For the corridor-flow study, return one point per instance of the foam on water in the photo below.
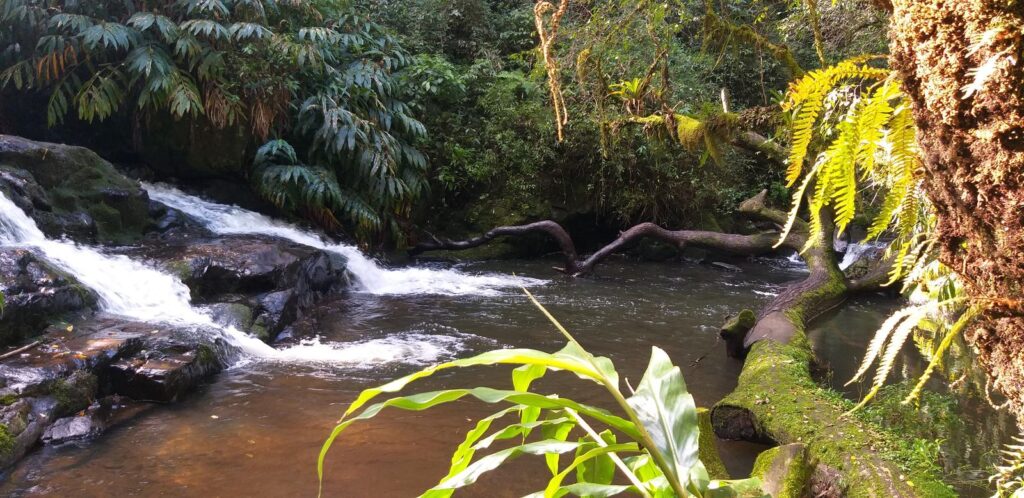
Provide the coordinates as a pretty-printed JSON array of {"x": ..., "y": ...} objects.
[
  {"x": 133, "y": 290},
  {"x": 372, "y": 278}
]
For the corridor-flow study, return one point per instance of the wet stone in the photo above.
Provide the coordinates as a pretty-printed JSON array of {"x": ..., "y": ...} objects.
[{"x": 75, "y": 428}]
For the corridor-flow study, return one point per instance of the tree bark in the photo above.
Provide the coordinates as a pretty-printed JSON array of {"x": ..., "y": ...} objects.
[{"x": 971, "y": 134}]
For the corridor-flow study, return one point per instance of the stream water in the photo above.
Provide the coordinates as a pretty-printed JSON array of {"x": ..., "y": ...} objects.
[{"x": 257, "y": 428}]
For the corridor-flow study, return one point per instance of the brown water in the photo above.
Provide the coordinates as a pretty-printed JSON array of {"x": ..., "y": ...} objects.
[{"x": 257, "y": 428}]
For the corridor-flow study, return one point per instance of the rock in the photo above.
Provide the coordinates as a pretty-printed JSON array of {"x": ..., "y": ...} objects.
[
  {"x": 94, "y": 358},
  {"x": 783, "y": 470},
  {"x": 84, "y": 194},
  {"x": 734, "y": 332},
  {"x": 74, "y": 393},
  {"x": 235, "y": 315},
  {"x": 164, "y": 375},
  {"x": 707, "y": 448},
  {"x": 36, "y": 294},
  {"x": 275, "y": 310},
  {"x": 244, "y": 265},
  {"x": 281, "y": 279},
  {"x": 21, "y": 425},
  {"x": 70, "y": 429},
  {"x": 171, "y": 223}
]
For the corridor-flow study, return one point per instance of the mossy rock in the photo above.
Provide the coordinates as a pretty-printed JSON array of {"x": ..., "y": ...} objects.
[
  {"x": 783, "y": 471},
  {"x": 707, "y": 448},
  {"x": 74, "y": 393},
  {"x": 78, "y": 181}
]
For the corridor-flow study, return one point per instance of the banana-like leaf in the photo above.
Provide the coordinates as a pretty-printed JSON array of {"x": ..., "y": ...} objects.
[
  {"x": 494, "y": 460},
  {"x": 464, "y": 453},
  {"x": 669, "y": 416},
  {"x": 560, "y": 433},
  {"x": 522, "y": 378}
]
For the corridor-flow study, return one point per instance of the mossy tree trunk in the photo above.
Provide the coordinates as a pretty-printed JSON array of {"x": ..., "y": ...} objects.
[{"x": 962, "y": 64}]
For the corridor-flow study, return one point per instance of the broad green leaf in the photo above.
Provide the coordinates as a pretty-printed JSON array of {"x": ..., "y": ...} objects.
[
  {"x": 591, "y": 490},
  {"x": 464, "y": 453},
  {"x": 522, "y": 378},
  {"x": 669, "y": 415}
]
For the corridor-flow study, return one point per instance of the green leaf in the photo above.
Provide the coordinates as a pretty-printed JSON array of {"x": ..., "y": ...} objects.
[
  {"x": 741, "y": 488},
  {"x": 423, "y": 401},
  {"x": 494, "y": 460},
  {"x": 601, "y": 469},
  {"x": 601, "y": 451},
  {"x": 669, "y": 415}
]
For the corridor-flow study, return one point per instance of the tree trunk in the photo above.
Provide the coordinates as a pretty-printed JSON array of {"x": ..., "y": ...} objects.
[{"x": 971, "y": 133}]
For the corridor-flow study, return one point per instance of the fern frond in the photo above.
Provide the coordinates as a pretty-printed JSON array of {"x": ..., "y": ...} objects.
[
  {"x": 895, "y": 344},
  {"x": 940, "y": 351},
  {"x": 878, "y": 341}
]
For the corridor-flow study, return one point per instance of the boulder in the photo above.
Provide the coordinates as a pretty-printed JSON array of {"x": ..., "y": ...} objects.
[
  {"x": 68, "y": 429},
  {"x": 278, "y": 280},
  {"x": 244, "y": 264},
  {"x": 164, "y": 375},
  {"x": 36, "y": 294},
  {"x": 72, "y": 191},
  {"x": 90, "y": 373},
  {"x": 21, "y": 424}
]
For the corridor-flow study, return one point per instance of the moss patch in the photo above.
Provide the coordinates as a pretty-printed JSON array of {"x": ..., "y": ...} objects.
[
  {"x": 7, "y": 444},
  {"x": 707, "y": 449},
  {"x": 787, "y": 406}
]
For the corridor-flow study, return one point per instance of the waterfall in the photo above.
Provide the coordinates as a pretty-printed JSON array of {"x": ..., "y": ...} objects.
[
  {"x": 135, "y": 291},
  {"x": 855, "y": 250},
  {"x": 372, "y": 278}
]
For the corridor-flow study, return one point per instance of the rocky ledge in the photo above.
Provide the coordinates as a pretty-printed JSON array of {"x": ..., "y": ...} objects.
[{"x": 67, "y": 387}]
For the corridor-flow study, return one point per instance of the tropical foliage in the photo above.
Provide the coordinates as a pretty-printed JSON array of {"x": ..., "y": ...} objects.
[
  {"x": 652, "y": 444},
  {"x": 307, "y": 71},
  {"x": 853, "y": 151}
]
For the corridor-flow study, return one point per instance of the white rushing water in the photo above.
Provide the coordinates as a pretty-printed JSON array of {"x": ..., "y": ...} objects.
[
  {"x": 372, "y": 278},
  {"x": 855, "y": 250},
  {"x": 133, "y": 290}
]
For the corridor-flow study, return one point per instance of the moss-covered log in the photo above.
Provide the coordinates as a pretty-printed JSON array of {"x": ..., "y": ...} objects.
[{"x": 777, "y": 401}]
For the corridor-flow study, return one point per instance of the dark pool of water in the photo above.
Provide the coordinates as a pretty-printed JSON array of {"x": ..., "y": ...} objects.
[{"x": 256, "y": 430}]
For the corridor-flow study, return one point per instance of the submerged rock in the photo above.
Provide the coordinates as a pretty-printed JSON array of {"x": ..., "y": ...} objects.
[
  {"x": 71, "y": 191},
  {"x": 36, "y": 294}
]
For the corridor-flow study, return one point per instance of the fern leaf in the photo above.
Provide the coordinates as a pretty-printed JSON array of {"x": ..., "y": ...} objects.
[
  {"x": 940, "y": 351},
  {"x": 879, "y": 340}
]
